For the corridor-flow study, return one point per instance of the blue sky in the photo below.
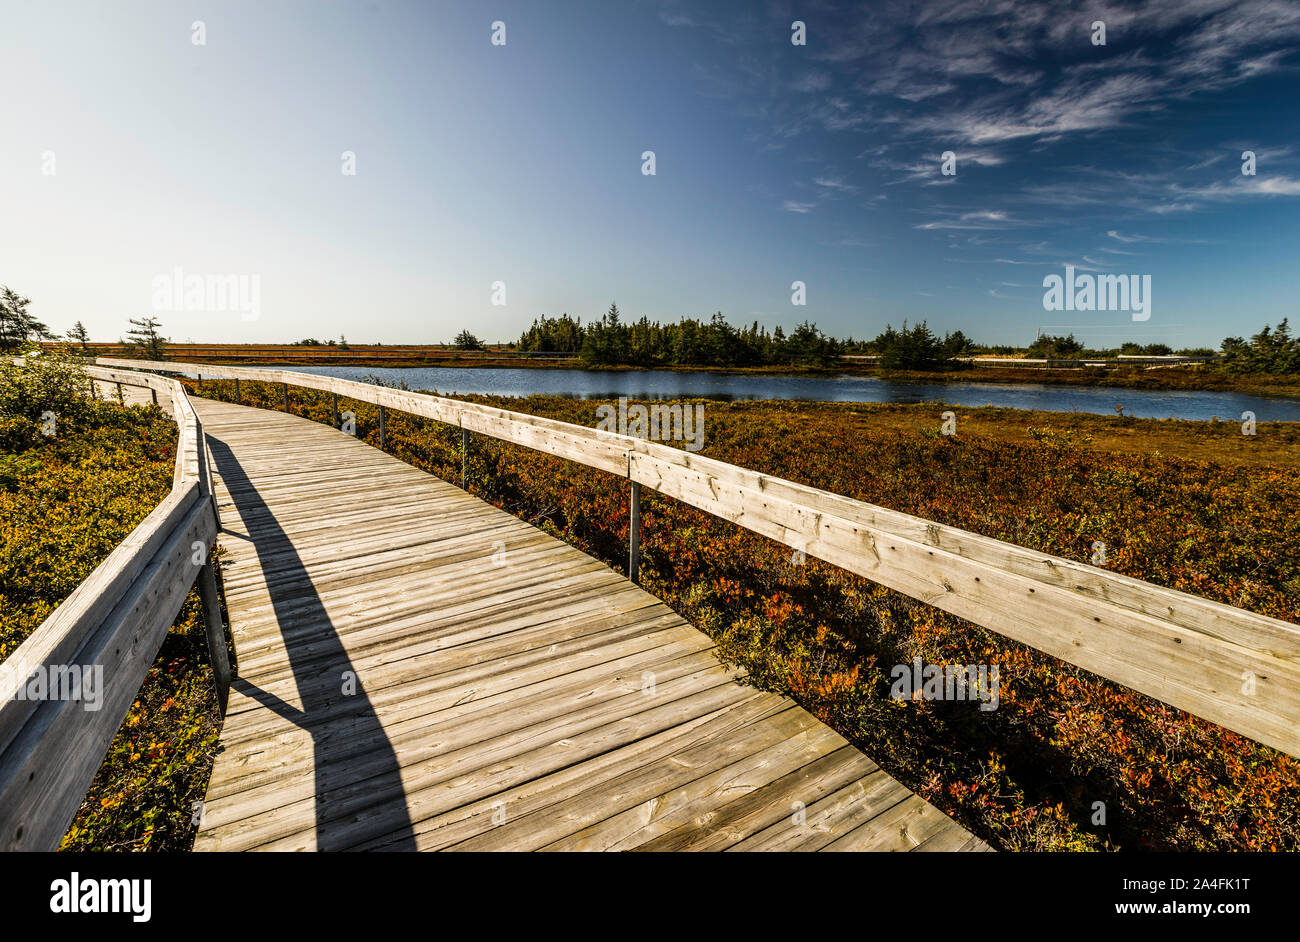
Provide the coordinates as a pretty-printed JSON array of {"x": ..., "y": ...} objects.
[{"x": 522, "y": 164}]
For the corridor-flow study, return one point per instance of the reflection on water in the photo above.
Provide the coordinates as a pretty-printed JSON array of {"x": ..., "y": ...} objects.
[{"x": 668, "y": 384}]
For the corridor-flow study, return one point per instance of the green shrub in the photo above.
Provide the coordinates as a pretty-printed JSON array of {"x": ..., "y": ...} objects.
[{"x": 46, "y": 382}]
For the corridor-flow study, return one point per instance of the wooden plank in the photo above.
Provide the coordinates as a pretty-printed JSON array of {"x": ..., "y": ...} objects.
[
  {"x": 453, "y": 716},
  {"x": 472, "y": 663},
  {"x": 639, "y": 805},
  {"x": 479, "y": 672},
  {"x": 718, "y": 828},
  {"x": 467, "y": 739},
  {"x": 903, "y": 827},
  {"x": 830, "y": 818},
  {"x": 440, "y": 831},
  {"x": 462, "y": 777}
]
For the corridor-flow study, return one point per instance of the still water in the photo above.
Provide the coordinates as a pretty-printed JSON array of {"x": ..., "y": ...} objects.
[{"x": 669, "y": 384}]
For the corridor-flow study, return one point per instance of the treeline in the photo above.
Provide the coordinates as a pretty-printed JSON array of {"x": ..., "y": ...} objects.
[
  {"x": 1046, "y": 346},
  {"x": 1269, "y": 351},
  {"x": 611, "y": 341},
  {"x": 915, "y": 348}
]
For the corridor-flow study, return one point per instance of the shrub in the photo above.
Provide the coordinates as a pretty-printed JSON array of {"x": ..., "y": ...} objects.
[{"x": 50, "y": 381}]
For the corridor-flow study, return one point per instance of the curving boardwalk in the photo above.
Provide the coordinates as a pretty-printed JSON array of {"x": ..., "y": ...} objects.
[{"x": 418, "y": 670}]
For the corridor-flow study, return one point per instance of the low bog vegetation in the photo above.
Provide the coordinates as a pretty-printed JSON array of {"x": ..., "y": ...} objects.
[
  {"x": 71, "y": 489},
  {"x": 1029, "y": 775}
]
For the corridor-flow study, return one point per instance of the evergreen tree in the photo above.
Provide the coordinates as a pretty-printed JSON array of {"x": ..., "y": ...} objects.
[
  {"x": 1269, "y": 351},
  {"x": 915, "y": 349},
  {"x": 79, "y": 335},
  {"x": 144, "y": 337},
  {"x": 17, "y": 326}
]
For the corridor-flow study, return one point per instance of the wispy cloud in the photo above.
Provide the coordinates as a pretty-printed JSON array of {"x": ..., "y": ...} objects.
[
  {"x": 980, "y": 219},
  {"x": 1241, "y": 186}
]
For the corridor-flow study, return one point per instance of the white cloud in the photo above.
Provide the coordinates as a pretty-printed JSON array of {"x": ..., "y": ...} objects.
[
  {"x": 983, "y": 219},
  {"x": 834, "y": 184}
]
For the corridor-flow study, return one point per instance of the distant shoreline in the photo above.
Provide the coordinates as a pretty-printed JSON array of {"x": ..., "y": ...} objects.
[{"x": 1193, "y": 378}]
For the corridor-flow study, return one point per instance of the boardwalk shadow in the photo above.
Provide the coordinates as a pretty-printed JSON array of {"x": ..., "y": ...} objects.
[{"x": 358, "y": 784}]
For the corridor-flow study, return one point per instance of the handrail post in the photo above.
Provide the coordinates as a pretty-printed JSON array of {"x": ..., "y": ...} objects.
[
  {"x": 154, "y": 393},
  {"x": 236, "y": 389},
  {"x": 464, "y": 452},
  {"x": 634, "y": 536},
  {"x": 382, "y": 429},
  {"x": 200, "y": 381},
  {"x": 284, "y": 388},
  {"x": 216, "y": 632},
  {"x": 336, "y": 409}
]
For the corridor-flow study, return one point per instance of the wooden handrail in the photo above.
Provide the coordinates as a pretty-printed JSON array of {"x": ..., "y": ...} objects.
[
  {"x": 1234, "y": 667},
  {"x": 115, "y": 622}
]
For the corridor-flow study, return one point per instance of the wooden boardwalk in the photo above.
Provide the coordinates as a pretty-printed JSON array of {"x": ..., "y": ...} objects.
[{"x": 420, "y": 670}]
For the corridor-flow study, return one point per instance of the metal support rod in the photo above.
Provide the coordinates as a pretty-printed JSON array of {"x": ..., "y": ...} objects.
[
  {"x": 216, "y": 632},
  {"x": 119, "y": 394},
  {"x": 464, "y": 452},
  {"x": 336, "y": 409},
  {"x": 154, "y": 393},
  {"x": 200, "y": 381},
  {"x": 383, "y": 429},
  {"x": 236, "y": 390},
  {"x": 284, "y": 388},
  {"x": 634, "y": 536}
]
